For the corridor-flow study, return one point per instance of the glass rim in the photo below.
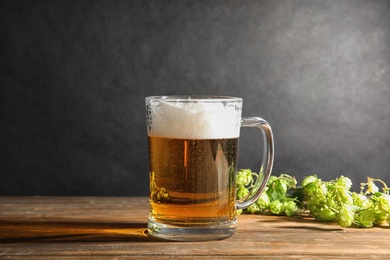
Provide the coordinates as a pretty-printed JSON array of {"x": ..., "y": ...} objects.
[{"x": 194, "y": 98}]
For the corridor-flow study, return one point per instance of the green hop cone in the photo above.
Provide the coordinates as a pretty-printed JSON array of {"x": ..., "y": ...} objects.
[
  {"x": 322, "y": 213},
  {"x": 276, "y": 207},
  {"x": 263, "y": 202},
  {"x": 290, "y": 208},
  {"x": 345, "y": 182},
  {"x": 365, "y": 218},
  {"x": 339, "y": 190},
  {"x": 253, "y": 209},
  {"x": 381, "y": 206},
  {"x": 244, "y": 177},
  {"x": 309, "y": 179},
  {"x": 314, "y": 190},
  {"x": 242, "y": 192},
  {"x": 361, "y": 200},
  {"x": 346, "y": 216}
]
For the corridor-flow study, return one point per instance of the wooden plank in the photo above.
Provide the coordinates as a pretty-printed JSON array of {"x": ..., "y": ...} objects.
[{"x": 72, "y": 227}]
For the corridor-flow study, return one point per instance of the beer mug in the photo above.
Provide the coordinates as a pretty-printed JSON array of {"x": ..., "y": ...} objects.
[{"x": 193, "y": 149}]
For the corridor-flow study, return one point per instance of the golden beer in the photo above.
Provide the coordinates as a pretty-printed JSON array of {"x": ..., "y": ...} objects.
[{"x": 192, "y": 181}]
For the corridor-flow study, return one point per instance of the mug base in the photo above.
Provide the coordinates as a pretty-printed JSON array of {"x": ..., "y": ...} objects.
[{"x": 191, "y": 233}]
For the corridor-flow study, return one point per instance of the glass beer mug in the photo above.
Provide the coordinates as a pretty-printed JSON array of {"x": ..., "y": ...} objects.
[{"x": 193, "y": 150}]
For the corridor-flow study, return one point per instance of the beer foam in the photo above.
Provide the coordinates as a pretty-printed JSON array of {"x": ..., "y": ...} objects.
[{"x": 194, "y": 120}]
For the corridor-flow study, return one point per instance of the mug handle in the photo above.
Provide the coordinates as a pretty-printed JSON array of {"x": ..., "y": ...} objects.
[{"x": 266, "y": 164}]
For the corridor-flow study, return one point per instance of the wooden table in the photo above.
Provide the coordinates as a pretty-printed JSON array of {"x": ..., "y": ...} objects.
[{"x": 101, "y": 227}]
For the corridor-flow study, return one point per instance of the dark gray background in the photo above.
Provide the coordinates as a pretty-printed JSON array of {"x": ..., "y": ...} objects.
[{"x": 74, "y": 75}]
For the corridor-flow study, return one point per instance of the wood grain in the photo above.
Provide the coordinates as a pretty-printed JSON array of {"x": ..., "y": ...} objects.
[{"x": 100, "y": 227}]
